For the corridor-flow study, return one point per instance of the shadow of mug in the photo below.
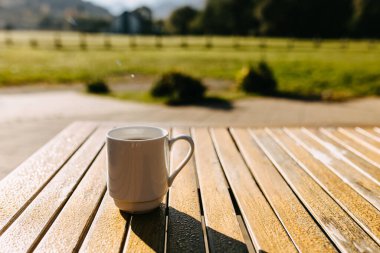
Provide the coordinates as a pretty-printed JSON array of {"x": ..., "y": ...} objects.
[{"x": 185, "y": 233}]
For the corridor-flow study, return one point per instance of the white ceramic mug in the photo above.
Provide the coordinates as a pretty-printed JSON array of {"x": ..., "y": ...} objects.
[{"x": 138, "y": 166}]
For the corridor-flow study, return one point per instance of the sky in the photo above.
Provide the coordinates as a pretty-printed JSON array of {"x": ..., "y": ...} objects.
[{"x": 117, "y": 6}]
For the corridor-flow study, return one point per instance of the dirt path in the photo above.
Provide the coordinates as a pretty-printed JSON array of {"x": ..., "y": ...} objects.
[{"x": 29, "y": 118}]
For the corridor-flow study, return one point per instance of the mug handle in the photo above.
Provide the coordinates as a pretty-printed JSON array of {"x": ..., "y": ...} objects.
[{"x": 187, "y": 158}]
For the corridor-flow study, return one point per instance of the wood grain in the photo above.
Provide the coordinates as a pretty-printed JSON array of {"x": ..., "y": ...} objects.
[
  {"x": 146, "y": 232},
  {"x": 67, "y": 231},
  {"x": 352, "y": 153},
  {"x": 107, "y": 231},
  {"x": 335, "y": 161},
  {"x": 361, "y": 148},
  {"x": 224, "y": 234},
  {"x": 265, "y": 229},
  {"x": 184, "y": 218},
  {"x": 295, "y": 218},
  {"x": 358, "y": 208},
  {"x": 25, "y": 232},
  {"x": 363, "y": 138},
  {"x": 370, "y": 133},
  {"x": 19, "y": 188},
  {"x": 376, "y": 131},
  {"x": 343, "y": 231}
]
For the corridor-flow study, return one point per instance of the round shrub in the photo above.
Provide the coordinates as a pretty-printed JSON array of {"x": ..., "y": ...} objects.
[
  {"x": 97, "y": 87},
  {"x": 257, "y": 79},
  {"x": 178, "y": 88}
]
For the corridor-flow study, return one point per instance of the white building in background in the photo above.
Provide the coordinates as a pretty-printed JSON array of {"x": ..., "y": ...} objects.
[{"x": 133, "y": 22}]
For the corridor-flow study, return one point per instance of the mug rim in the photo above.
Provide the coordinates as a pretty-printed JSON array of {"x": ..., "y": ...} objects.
[{"x": 164, "y": 131}]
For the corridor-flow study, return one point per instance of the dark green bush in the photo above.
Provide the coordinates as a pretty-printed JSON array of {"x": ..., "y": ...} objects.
[
  {"x": 257, "y": 79},
  {"x": 97, "y": 87},
  {"x": 178, "y": 88}
]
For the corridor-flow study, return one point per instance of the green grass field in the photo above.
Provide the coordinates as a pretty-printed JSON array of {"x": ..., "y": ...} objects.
[{"x": 336, "y": 69}]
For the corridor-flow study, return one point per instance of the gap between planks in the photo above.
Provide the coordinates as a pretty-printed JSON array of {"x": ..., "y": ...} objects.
[{"x": 13, "y": 206}]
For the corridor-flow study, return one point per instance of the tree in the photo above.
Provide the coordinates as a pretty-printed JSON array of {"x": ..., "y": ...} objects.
[
  {"x": 366, "y": 18},
  {"x": 300, "y": 18},
  {"x": 276, "y": 17},
  {"x": 180, "y": 20},
  {"x": 228, "y": 17}
]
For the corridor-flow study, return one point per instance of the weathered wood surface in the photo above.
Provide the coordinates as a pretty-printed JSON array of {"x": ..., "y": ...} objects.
[
  {"x": 361, "y": 157},
  {"x": 107, "y": 230},
  {"x": 365, "y": 138},
  {"x": 31, "y": 176},
  {"x": 370, "y": 132},
  {"x": 26, "y": 232},
  {"x": 367, "y": 216},
  {"x": 184, "y": 218},
  {"x": 324, "y": 151},
  {"x": 221, "y": 222},
  {"x": 342, "y": 229},
  {"x": 280, "y": 190},
  {"x": 295, "y": 218},
  {"x": 66, "y": 233},
  {"x": 262, "y": 223}
]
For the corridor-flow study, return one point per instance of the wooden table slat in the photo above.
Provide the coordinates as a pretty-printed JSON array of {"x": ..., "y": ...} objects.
[
  {"x": 146, "y": 233},
  {"x": 339, "y": 142},
  {"x": 358, "y": 149},
  {"x": 19, "y": 188},
  {"x": 25, "y": 232},
  {"x": 224, "y": 234},
  {"x": 333, "y": 160},
  {"x": 66, "y": 233},
  {"x": 263, "y": 225},
  {"x": 343, "y": 231},
  {"x": 279, "y": 190},
  {"x": 108, "y": 229},
  {"x": 377, "y": 131},
  {"x": 363, "y": 138},
  {"x": 185, "y": 232},
  {"x": 295, "y": 218},
  {"x": 366, "y": 215},
  {"x": 370, "y": 134}
]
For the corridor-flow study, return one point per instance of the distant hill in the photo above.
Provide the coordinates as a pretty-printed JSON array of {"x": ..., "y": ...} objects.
[{"x": 28, "y": 14}]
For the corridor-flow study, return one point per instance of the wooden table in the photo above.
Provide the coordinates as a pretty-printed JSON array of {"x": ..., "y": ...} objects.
[{"x": 273, "y": 190}]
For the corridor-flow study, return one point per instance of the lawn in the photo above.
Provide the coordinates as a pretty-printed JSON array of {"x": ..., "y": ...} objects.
[{"x": 336, "y": 69}]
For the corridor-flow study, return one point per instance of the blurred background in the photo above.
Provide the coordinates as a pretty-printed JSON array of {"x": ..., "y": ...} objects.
[{"x": 184, "y": 62}]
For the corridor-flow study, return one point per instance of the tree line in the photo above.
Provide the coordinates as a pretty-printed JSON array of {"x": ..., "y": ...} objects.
[{"x": 289, "y": 18}]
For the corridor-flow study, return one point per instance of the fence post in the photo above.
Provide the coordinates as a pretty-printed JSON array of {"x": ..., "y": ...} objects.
[
  {"x": 344, "y": 43},
  {"x": 82, "y": 41},
  {"x": 8, "y": 39},
  {"x": 236, "y": 42},
  {"x": 290, "y": 44},
  {"x": 317, "y": 42},
  {"x": 208, "y": 42},
  {"x": 132, "y": 41},
  {"x": 183, "y": 41},
  {"x": 371, "y": 44},
  {"x": 107, "y": 42},
  {"x": 158, "y": 41},
  {"x": 57, "y": 41},
  {"x": 33, "y": 43},
  {"x": 263, "y": 43}
]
